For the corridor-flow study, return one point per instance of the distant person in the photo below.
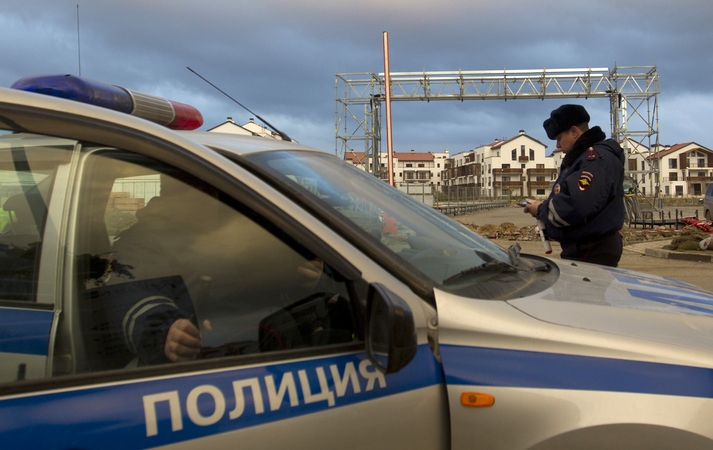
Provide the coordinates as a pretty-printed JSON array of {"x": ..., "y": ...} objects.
[{"x": 585, "y": 210}]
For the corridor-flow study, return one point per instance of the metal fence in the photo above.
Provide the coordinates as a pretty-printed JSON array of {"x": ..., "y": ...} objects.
[{"x": 452, "y": 200}]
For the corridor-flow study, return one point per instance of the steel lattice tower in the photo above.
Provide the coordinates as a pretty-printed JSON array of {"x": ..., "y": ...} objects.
[{"x": 632, "y": 92}]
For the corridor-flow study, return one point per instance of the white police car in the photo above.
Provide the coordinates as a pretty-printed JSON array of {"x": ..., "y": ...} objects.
[{"x": 182, "y": 289}]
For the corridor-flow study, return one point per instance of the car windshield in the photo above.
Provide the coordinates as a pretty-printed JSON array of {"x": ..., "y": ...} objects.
[{"x": 436, "y": 245}]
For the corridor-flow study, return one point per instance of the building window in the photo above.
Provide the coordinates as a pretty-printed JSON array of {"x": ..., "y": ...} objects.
[
  {"x": 514, "y": 154},
  {"x": 672, "y": 176},
  {"x": 540, "y": 166},
  {"x": 532, "y": 154},
  {"x": 409, "y": 165},
  {"x": 421, "y": 165},
  {"x": 522, "y": 166},
  {"x": 540, "y": 192},
  {"x": 679, "y": 190},
  {"x": 672, "y": 163}
]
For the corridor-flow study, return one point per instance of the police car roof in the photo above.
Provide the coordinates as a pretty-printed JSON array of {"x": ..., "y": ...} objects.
[{"x": 80, "y": 114}]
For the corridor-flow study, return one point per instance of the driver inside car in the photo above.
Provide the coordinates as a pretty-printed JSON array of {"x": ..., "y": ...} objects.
[
  {"x": 193, "y": 273},
  {"x": 183, "y": 341}
]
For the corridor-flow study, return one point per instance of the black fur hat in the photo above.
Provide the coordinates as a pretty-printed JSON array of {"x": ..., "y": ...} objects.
[{"x": 564, "y": 118}]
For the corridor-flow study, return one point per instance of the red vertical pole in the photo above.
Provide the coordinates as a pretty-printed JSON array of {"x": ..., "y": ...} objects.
[{"x": 387, "y": 92}]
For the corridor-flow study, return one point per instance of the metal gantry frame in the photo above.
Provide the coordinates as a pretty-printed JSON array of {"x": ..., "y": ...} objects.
[{"x": 632, "y": 92}]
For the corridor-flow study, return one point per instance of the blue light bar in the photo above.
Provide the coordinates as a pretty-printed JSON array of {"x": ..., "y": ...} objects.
[{"x": 165, "y": 112}]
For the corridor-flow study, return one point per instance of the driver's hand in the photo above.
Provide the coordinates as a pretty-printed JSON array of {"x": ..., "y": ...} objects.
[
  {"x": 183, "y": 342},
  {"x": 311, "y": 270}
]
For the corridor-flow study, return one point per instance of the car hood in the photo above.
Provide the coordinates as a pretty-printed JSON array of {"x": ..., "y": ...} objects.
[{"x": 625, "y": 303}]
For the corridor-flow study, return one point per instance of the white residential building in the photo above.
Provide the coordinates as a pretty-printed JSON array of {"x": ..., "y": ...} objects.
[
  {"x": 408, "y": 167},
  {"x": 251, "y": 128},
  {"x": 685, "y": 169},
  {"x": 516, "y": 167}
]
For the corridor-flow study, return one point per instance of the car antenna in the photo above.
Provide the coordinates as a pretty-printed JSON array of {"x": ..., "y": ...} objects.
[{"x": 284, "y": 136}]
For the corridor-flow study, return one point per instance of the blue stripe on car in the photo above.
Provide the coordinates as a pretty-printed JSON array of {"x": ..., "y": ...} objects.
[
  {"x": 481, "y": 366},
  {"x": 25, "y": 331},
  {"x": 114, "y": 417}
]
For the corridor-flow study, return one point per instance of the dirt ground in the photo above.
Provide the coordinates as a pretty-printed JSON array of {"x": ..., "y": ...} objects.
[{"x": 495, "y": 223}]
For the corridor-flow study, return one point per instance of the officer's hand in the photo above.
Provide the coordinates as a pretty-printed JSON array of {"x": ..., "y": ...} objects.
[
  {"x": 183, "y": 342},
  {"x": 531, "y": 208}
]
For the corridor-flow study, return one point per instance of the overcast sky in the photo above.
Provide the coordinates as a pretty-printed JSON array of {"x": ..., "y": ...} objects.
[{"x": 279, "y": 57}]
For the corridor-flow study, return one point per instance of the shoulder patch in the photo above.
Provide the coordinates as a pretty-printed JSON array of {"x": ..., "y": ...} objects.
[
  {"x": 585, "y": 181},
  {"x": 592, "y": 154}
]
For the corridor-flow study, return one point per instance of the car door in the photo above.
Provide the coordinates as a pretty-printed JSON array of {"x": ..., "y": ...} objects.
[
  {"x": 33, "y": 179},
  {"x": 152, "y": 236}
]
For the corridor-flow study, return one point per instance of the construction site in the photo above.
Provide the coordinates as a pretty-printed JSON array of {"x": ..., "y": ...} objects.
[{"x": 632, "y": 93}]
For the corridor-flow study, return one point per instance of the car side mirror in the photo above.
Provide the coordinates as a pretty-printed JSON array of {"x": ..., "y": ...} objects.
[{"x": 390, "y": 330}]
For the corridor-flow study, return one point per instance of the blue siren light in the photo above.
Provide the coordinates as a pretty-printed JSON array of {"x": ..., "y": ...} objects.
[{"x": 175, "y": 115}]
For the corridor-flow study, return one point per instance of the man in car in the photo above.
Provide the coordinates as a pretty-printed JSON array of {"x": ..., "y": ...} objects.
[
  {"x": 585, "y": 209},
  {"x": 193, "y": 267}
]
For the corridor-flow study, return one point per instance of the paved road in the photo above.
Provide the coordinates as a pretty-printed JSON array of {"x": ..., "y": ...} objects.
[{"x": 696, "y": 273}]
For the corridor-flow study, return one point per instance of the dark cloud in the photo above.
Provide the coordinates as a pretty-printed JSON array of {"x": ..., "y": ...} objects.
[{"x": 279, "y": 58}]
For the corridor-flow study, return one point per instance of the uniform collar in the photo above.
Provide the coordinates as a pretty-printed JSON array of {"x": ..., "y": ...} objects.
[{"x": 586, "y": 140}]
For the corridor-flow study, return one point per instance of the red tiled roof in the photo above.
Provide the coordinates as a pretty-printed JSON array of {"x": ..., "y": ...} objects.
[
  {"x": 498, "y": 144},
  {"x": 676, "y": 147},
  {"x": 355, "y": 157}
]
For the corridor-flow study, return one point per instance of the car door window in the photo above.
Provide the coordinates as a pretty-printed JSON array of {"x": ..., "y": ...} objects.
[
  {"x": 27, "y": 168},
  {"x": 169, "y": 269}
]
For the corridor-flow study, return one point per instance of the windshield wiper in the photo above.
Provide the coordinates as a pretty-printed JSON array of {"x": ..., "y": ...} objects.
[
  {"x": 514, "y": 254},
  {"x": 488, "y": 266},
  {"x": 492, "y": 264}
]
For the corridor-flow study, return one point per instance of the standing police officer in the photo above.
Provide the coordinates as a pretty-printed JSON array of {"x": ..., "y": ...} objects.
[{"x": 585, "y": 209}]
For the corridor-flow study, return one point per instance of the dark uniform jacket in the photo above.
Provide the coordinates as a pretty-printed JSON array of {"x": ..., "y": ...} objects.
[
  {"x": 193, "y": 257},
  {"x": 587, "y": 201}
]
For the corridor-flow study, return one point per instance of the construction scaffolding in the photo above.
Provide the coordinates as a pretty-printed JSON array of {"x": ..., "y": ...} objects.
[{"x": 632, "y": 92}]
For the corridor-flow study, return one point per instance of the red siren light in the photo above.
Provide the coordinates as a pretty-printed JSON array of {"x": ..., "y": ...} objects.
[{"x": 174, "y": 115}]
